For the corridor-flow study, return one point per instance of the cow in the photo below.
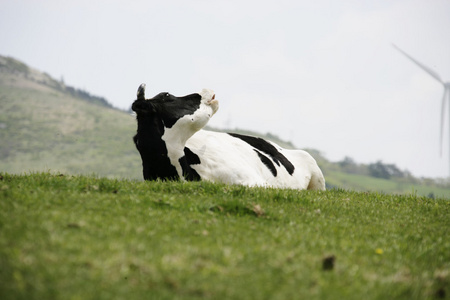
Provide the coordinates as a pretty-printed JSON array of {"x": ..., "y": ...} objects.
[{"x": 173, "y": 146}]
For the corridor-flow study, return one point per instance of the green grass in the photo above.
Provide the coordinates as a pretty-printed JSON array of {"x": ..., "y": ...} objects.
[{"x": 83, "y": 237}]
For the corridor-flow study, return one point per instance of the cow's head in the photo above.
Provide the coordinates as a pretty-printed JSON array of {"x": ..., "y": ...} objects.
[
  {"x": 165, "y": 123},
  {"x": 189, "y": 112}
]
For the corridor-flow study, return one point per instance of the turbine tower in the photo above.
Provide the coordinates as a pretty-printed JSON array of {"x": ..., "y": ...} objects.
[{"x": 446, "y": 93}]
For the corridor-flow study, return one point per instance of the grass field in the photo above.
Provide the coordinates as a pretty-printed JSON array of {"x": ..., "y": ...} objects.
[
  {"x": 394, "y": 186},
  {"x": 78, "y": 237}
]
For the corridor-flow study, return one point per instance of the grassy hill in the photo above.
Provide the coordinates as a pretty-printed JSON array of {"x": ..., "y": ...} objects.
[
  {"x": 47, "y": 125},
  {"x": 78, "y": 237}
]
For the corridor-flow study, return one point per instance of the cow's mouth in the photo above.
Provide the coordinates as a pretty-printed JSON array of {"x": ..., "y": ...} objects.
[
  {"x": 213, "y": 103},
  {"x": 209, "y": 98},
  {"x": 213, "y": 99}
]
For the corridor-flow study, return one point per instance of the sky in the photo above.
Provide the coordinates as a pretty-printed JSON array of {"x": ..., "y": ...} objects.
[{"x": 322, "y": 74}]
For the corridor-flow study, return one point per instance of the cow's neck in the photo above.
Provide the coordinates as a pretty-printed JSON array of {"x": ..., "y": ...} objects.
[{"x": 175, "y": 140}]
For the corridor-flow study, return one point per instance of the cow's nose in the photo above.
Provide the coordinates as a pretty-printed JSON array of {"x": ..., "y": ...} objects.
[{"x": 214, "y": 105}]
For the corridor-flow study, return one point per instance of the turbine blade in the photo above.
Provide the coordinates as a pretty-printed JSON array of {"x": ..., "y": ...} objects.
[
  {"x": 425, "y": 68},
  {"x": 442, "y": 118}
]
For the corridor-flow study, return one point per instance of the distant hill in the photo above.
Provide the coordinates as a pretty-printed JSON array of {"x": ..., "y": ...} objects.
[
  {"x": 48, "y": 125},
  {"x": 21, "y": 74}
]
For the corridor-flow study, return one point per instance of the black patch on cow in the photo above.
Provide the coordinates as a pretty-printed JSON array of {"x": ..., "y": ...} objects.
[
  {"x": 168, "y": 107},
  {"x": 189, "y": 158},
  {"x": 171, "y": 108},
  {"x": 265, "y": 160},
  {"x": 268, "y": 148},
  {"x": 188, "y": 173}
]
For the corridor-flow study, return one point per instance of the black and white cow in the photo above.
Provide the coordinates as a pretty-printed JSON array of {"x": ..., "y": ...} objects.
[{"x": 173, "y": 146}]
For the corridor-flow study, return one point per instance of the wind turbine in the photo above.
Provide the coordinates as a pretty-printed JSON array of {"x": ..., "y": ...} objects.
[{"x": 446, "y": 93}]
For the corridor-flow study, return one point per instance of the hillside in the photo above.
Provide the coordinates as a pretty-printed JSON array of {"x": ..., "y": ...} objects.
[
  {"x": 45, "y": 125},
  {"x": 48, "y": 125}
]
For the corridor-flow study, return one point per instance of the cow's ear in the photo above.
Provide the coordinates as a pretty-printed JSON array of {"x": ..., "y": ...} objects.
[{"x": 142, "y": 107}]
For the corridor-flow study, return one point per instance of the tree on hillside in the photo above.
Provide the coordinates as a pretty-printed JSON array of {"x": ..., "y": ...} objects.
[
  {"x": 381, "y": 170},
  {"x": 348, "y": 165}
]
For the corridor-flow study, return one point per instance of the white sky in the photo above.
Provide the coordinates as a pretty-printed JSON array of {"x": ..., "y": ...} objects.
[{"x": 322, "y": 74}]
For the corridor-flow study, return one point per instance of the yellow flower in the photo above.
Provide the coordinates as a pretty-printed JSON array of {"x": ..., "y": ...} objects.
[{"x": 379, "y": 251}]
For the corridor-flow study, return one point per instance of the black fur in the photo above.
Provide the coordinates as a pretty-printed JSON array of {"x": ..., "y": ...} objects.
[
  {"x": 265, "y": 160},
  {"x": 266, "y": 147},
  {"x": 190, "y": 158},
  {"x": 172, "y": 108},
  {"x": 153, "y": 149}
]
